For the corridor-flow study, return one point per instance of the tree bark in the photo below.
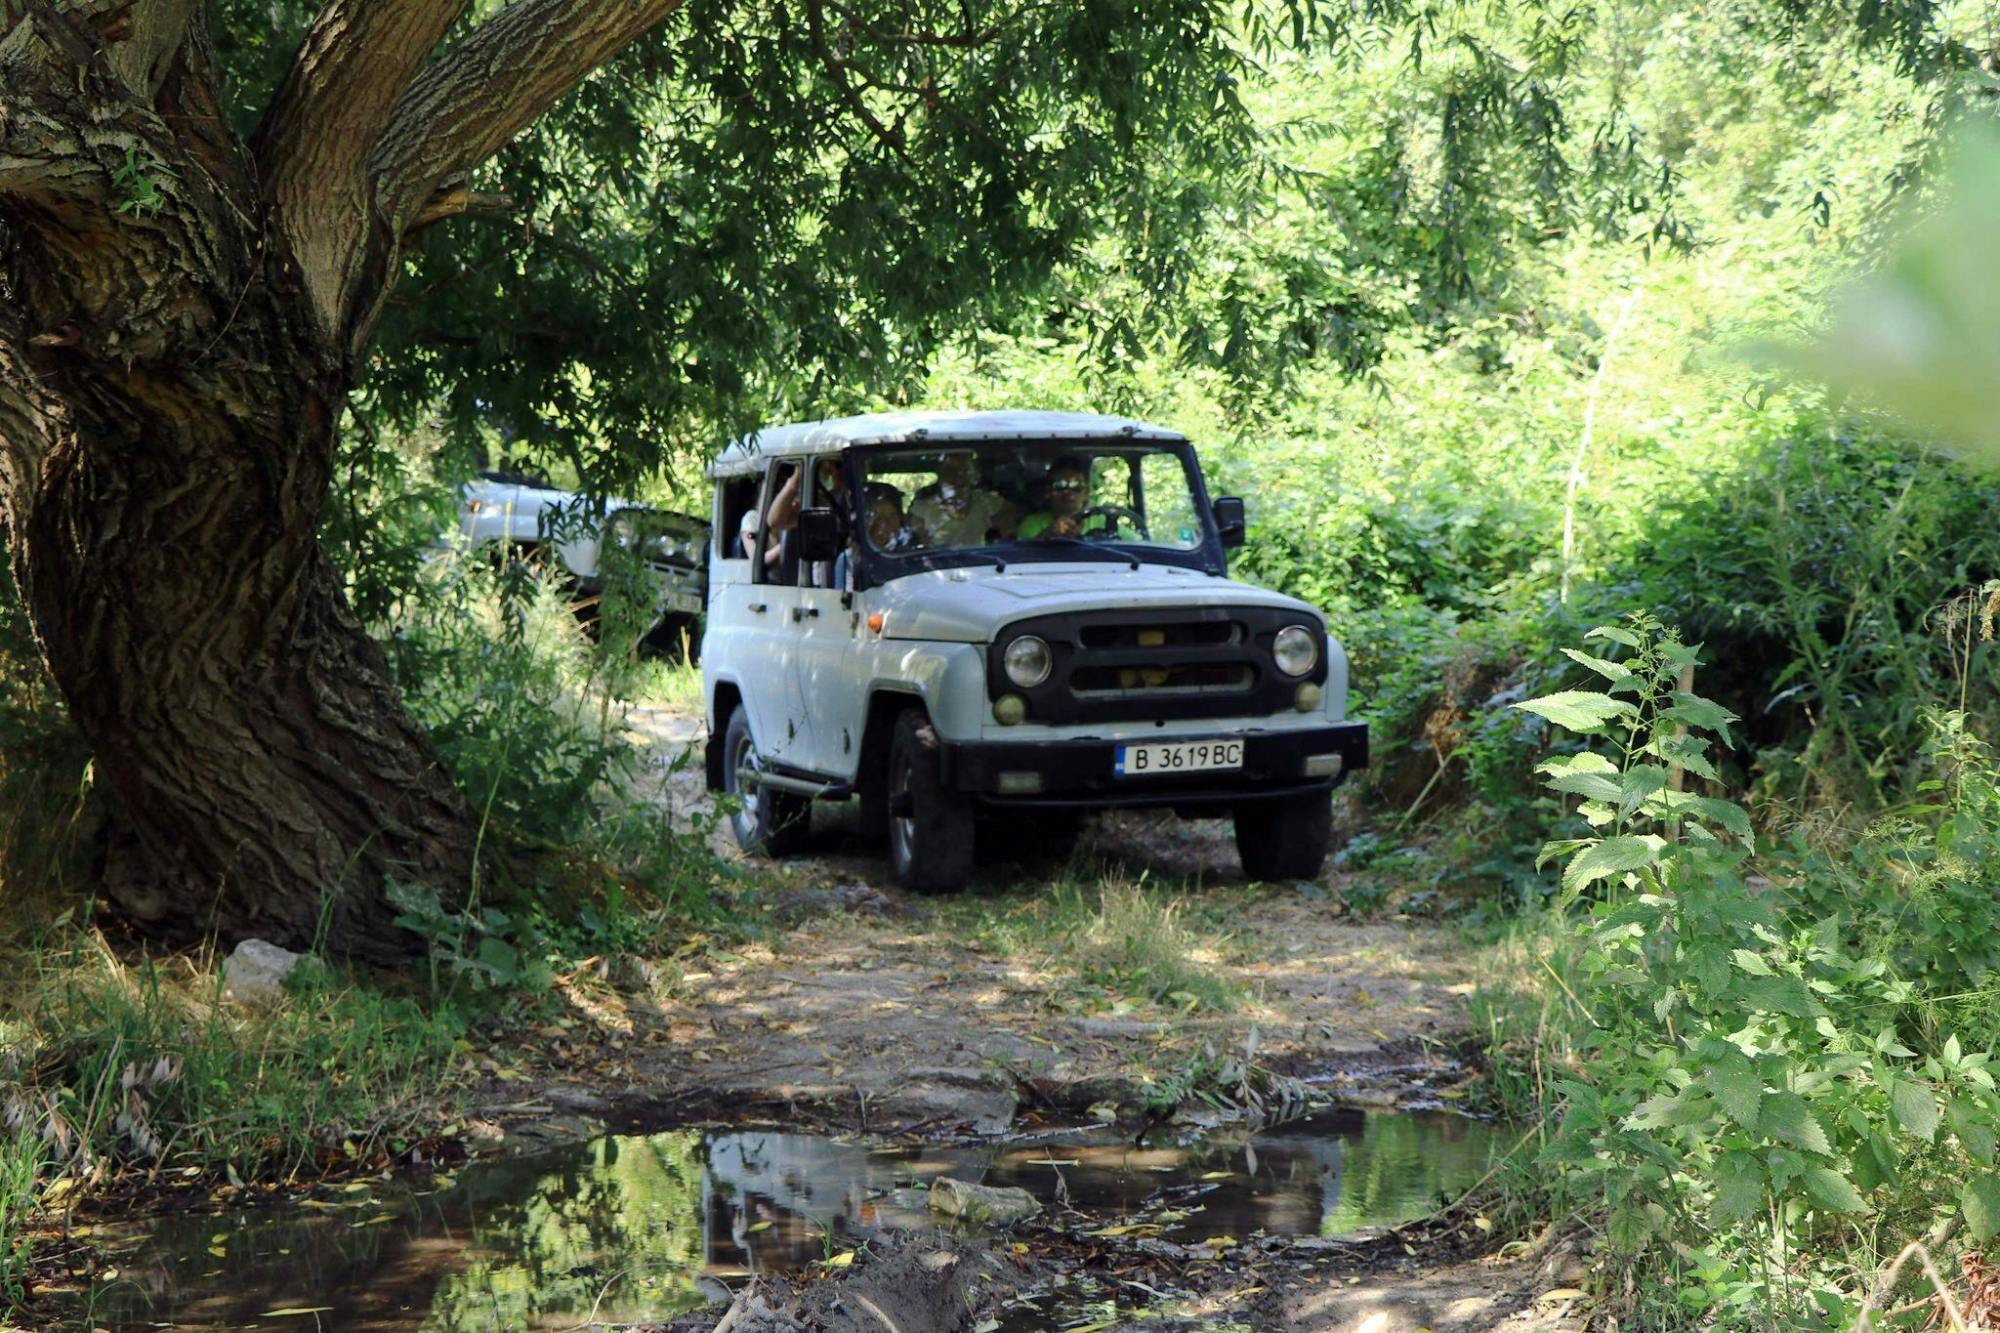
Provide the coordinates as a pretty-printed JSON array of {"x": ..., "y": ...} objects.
[
  {"x": 179, "y": 323},
  {"x": 167, "y": 414}
]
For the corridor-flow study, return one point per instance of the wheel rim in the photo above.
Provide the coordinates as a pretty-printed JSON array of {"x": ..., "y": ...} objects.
[
  {"x": 743, "y": 756},
  {"x": 902, "y": 827}
]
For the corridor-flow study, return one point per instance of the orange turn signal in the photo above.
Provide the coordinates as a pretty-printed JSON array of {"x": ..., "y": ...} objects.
[{"x": 876, "y": 620}]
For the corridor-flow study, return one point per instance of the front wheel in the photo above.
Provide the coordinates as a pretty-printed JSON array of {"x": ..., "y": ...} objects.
[
  {"x": 1286, "y": 838},
  {"x": 767, "y": 821},
  {"x": 930, "y": 826}
]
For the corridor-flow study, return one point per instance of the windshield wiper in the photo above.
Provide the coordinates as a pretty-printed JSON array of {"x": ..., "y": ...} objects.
[{"x": 1114, "y": 556}]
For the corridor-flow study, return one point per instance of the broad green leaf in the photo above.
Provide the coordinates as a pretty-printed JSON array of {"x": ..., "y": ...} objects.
[
  {"x": 1694, "y": 711},
  {"x": 1971, "y": 1131},
  {"x": 1612, "y": 856},
  {"x": 1916, "y": 1111},
  {"x": 1596, "y": 786},
  {"x": 1753, "y": 963},
  {"x": 1739, "y": 1187},
  {"x": 1638, "y": 783},
  {"x": 1614, "y": 635},
  {"x": 1780, "y": 995},
  {"x": 1981, "y": 1202},
  {"x": 1611, "y": 671},
  {"x": 1883, "y": 1151},
  {"x": 1832, "y": 1191},
  {"x": 1580, "y": 710},
  {"x": 1867, "y": 1171},
  {"x": 1738, "y": 1090},
  {"x": 1584, "y": 761},
  {"x": 1787, "y": 1118},
  {"x": 1726, "y": 813}
]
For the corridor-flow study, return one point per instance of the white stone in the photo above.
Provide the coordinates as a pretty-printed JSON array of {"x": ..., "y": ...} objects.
[
  {"x": 983, "y": 1204},
  {"x": 255, "y": 973}
]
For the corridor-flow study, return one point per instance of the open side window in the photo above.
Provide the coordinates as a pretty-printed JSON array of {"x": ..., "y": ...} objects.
[{"x": 736, "y": 499}]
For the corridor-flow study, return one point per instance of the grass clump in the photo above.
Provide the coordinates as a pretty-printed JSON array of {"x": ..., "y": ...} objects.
[
  {"x": 1135, "y": 943},
  {"x": 146, "y": 1063}
]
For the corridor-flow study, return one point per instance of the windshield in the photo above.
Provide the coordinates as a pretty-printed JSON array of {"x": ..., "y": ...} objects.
[{"x": 1026, "y": 497}]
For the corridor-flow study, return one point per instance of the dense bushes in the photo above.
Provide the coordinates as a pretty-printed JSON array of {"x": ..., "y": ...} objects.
[{"x": 1768, "y": 1061}]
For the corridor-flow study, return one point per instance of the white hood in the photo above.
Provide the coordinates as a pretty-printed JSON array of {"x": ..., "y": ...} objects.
[{"x": 970, "y": 605}]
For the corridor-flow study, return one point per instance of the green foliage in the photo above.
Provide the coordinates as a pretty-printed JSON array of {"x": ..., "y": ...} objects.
[
  {"x": 23, "y": 1157},
  {"x": 1752, "y": 1076},
  {"x": 147, "y": 1063},
  {"x": 1921, "y": 337}
]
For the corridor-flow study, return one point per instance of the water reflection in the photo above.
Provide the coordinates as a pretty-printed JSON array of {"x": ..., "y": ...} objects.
[{"x": 633, "y": 1228}]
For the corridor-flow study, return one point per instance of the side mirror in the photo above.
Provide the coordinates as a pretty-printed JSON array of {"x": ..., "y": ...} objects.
[
  {"x": 819, "y": 534},
  {"x": 1229, "y": 520}
]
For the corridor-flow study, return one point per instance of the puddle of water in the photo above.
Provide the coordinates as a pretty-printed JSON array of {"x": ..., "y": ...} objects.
[{"x": 629, "y": 1228}]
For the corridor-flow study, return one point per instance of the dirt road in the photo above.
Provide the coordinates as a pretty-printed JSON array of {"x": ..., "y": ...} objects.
[{"x": 864, "y": 1010}]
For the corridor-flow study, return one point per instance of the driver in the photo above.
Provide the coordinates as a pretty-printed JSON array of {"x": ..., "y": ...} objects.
[{"x": 1065, "y": 494}]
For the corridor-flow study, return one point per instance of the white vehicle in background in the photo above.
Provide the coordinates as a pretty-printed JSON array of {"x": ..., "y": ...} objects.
[
  {"x": 1010, "y": 613},
  {"x": 526, "y": 518}
]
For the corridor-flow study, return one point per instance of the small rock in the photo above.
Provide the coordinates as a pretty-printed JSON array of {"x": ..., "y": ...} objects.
[
  {"x": 987, "y": 1204},
  {"x": 255, "y": 972},
  {"x": 1119, "y": 1027},
  {"x": 750, "y": 1313}
]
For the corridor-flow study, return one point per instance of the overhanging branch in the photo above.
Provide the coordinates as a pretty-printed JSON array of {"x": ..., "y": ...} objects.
[
  {"x": 454, "y": 201},
  {"x": 490, "y": 86},
  {"x": 313, "y": 145}
]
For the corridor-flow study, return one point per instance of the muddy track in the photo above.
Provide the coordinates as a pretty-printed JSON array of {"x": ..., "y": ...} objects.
[{"x": 866, "y": 1011}]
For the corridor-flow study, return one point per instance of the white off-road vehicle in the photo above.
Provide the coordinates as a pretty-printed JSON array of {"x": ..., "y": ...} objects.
[
  {"x": 953, "y": 613},
  {"x": 525, "y": 517}
]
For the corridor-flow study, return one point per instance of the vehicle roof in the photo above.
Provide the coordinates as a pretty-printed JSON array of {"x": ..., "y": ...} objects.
[{"x": 814, "y": 437}]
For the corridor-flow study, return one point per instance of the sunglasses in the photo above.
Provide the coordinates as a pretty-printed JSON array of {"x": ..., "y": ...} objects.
[{"x": 1065, "y": 485}]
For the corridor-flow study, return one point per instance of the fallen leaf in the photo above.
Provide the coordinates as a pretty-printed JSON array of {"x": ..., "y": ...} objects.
[{"x": 845, "y": 1259}]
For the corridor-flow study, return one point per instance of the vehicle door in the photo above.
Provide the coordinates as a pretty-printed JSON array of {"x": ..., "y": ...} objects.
[
  {"x": 830, "y": 706},
  {"x": 759, "y": 612}
]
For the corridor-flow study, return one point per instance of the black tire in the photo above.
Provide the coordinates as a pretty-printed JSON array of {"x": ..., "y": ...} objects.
[
  {"x": 1285, "y": 839},
  {"x": 769, "y": 822},
  {"x": 930, "y": 826}
]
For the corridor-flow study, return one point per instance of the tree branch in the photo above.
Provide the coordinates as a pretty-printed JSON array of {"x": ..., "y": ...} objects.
[
  {"x": 313, "y": 145},
  {"x": 142, "y": 37},
  {"x": 836, "y": 69},
  {"x": 491, "y": 85},
  {"x": 457, "y": 200}
]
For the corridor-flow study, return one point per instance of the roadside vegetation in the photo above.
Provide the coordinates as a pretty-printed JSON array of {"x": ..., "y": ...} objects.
[{"x": 1679, "y": 670}]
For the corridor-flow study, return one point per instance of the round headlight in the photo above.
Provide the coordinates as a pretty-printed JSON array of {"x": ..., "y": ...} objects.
[
  {"x": 1296, "y": 650},
  {"x": 1027, "y": 661}
]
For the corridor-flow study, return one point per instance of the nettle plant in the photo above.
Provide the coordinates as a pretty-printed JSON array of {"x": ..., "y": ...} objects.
[{"x": 1744, "y": 1084}]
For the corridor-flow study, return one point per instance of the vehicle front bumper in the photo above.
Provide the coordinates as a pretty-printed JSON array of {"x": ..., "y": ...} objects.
[{"x": 1080, "y": 774}]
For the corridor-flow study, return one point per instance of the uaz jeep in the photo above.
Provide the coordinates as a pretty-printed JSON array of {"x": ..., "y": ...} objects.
[
  {"x": 521, "y": 516},
  {"x": 942, "y": 613}
]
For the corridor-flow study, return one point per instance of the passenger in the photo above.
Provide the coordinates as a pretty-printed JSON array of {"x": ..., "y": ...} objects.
[
  {"x": 783, "y": 515},
  {"x": 886, "y": 529},
  {"x": 955, "y": 510},
  {"x": 1065, "y": 494}
]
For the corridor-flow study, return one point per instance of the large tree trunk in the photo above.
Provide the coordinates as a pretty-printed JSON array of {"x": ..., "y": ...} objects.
[
  {"x": 167, "y": 410},
  {"x": 180, "y": 319}
]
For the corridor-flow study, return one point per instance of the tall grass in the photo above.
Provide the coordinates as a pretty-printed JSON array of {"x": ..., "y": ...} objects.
[{"x": 148, "y": 1063}]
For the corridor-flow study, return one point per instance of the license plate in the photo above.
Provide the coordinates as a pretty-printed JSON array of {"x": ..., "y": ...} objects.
[{"x": 1133, "y": 761}]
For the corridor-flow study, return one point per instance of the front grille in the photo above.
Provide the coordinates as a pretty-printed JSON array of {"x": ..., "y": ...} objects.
[
  {"x": 1102, "y": 682},
  {"x": 1174, "y": 634},
  {"x": 1174, "y": 664}
]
